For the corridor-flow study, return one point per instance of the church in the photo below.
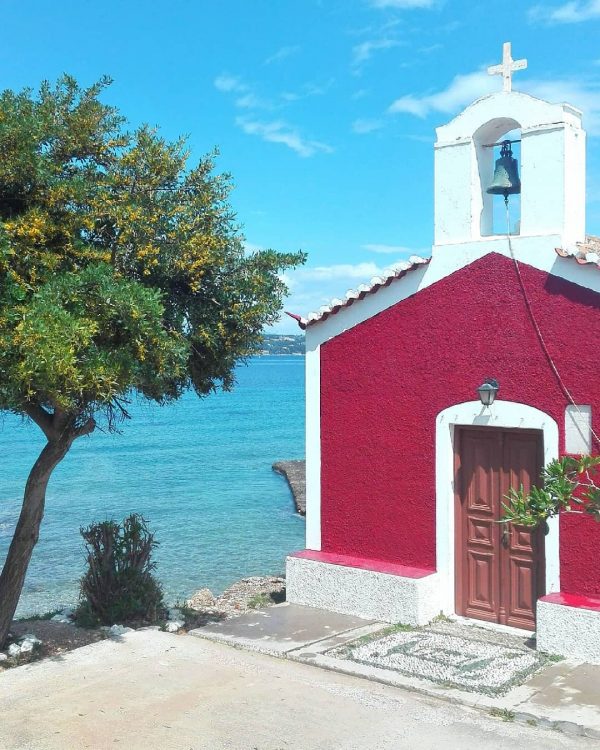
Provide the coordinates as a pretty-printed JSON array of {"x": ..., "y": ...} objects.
[{"x": 432, "y": 390}]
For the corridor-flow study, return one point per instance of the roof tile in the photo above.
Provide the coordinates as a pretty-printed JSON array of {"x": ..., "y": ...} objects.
[
  {"x": 395, "y": 272},
  {"x": 585, "y": 252}
]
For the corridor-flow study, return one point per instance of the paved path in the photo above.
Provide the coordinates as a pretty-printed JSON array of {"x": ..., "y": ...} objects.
[
  {"x": 563, "y": 695},
  {"x": 158, "y": 691}
]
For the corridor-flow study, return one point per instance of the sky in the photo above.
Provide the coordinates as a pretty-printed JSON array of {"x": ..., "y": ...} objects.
[{"x": 324, "y": 111}]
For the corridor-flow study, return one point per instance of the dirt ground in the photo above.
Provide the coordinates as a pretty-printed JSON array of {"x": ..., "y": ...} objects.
[
  {"x": 156, "y": 691},
  {"x": 56, "y": 637}
]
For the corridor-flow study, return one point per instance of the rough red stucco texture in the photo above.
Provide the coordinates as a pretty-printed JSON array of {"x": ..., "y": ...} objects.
[{"x": 385, "y": 380}]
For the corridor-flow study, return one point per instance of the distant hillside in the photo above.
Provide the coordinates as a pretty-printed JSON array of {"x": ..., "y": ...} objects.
[{"x": 278, "y": 345}]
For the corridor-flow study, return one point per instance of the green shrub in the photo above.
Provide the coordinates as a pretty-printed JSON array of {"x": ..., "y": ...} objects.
[
  {"x": 259, "y": 600},
  {"x": 119, "y": 585}
]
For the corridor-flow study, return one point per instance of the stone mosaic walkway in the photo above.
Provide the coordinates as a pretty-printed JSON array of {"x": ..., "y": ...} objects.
[{"x": 450, "y": 654}]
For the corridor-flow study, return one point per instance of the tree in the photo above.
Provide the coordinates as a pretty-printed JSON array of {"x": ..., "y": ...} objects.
[
  {"x": 569, "y": 485},
  {"x": 121, "y": 271}
]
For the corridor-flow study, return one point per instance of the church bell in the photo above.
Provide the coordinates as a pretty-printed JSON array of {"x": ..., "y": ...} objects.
[{"x": 506, "y": 174}]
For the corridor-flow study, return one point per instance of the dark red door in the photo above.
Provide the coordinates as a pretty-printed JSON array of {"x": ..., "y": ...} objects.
[{"x": 499, "y": 567}]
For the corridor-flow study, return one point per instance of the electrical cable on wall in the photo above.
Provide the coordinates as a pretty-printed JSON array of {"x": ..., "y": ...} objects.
[{"x": 537, "y": 329}]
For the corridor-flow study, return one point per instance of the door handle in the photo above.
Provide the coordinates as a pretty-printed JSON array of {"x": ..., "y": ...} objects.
[{"x": 505, "y": 535}]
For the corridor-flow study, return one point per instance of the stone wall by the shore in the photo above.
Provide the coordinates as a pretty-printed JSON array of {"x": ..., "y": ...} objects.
[{"x": 295, "y": 473}]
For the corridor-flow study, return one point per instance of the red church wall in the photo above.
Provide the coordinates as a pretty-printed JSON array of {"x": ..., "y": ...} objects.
[{"x": 385, "y": 380}]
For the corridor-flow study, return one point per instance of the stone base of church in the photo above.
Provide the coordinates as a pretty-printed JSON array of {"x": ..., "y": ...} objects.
[
  {"x": 569, "y": 625},
  {"x": 363, "y": 588}
]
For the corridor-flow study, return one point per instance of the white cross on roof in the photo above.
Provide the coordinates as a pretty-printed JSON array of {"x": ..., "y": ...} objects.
[{"x": 507, "y": 67}]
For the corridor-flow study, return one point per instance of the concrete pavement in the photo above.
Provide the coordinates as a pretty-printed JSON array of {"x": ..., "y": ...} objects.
[
  {"x": 563, "y": 696},
  {"x": 151, "y": 690}
]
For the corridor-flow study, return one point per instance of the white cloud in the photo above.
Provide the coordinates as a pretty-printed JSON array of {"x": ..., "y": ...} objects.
[
  {"x": 278, "y": 131},
  {"x": 464, "y": 89},
  {"x": 245, "y": 97},
  {"x": 228, "y": 83},
  {"x": 402, "y": 4},
  {"x": 282, "y": 53},
  {"x": 364, "y": 51},
  {"x": 399, "y": 250},
  {"x": 574, "y": 11},
  {"x": 582, "y": 94},
  {"x": 431, "y": 48},
  {"x": 308, "y": 90},
  {"x": 342, "y": 271},
  {"x": 365, "y": 126},
  {"x": 248, "y": 101}
]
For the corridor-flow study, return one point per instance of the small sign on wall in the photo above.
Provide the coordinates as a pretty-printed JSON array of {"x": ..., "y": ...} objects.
[{"x": 578, "y": 429}]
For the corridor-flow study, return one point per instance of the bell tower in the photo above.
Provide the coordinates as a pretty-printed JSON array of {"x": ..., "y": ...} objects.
[{"x": 550, "y": 209}]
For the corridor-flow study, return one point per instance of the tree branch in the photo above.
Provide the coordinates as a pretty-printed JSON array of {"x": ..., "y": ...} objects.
[
  {"x": 58, "y": 424},
  {"x": 42, "y": 418},
  {"x": 86, "y": 428}
]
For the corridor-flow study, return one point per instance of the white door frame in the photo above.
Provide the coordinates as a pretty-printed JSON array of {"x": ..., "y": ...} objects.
[{"x": 509, "y": 415}]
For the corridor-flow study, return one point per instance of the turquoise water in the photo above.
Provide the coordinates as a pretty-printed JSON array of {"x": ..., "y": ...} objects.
[{"x": 198, "y": 470}]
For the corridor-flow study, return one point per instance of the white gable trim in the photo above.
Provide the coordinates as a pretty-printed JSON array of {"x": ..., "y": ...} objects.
[
  {"x": 535, "y": 251},
  {"x": 533, "y": 114},
  {"x": 363, "y": 309},
  {"x": 313, "y": 447},
  {"x": 506, "y": 414}
]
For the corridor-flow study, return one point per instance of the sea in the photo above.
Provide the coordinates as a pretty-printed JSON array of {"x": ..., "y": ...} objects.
[{"x": 198, "y": 470}]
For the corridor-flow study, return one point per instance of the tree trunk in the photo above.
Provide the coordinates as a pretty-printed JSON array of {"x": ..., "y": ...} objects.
[{"x": 26, "y": 533}]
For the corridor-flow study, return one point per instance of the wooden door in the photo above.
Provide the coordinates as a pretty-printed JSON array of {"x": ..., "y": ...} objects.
[{"x": 499, "y": 567}]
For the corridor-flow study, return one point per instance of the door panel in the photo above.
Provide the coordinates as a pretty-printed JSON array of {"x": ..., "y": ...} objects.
[
  {"x": 522, "y": 561},
  {"x": 481, "y": 591},
  {"x": 522, "y": 576},
  {"x": 499, "y": 567},
  {"x": 481, "y": 532},
  {"x": 480, "y": 471}
]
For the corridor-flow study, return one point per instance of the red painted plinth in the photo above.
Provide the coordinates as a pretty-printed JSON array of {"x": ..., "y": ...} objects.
[
  {"x": 378, "y": 566},
  {"x": 572, "y": 600}
]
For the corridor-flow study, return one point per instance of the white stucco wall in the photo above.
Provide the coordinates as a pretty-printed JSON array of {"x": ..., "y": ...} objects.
[
  {"x": 552, "y": 169},
  {"x": 313, "y": 442},
  {"x": 572, "y": 632}
]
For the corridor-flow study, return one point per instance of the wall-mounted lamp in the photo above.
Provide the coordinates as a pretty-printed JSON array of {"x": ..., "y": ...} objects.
[{"x": 487, "y": 391}]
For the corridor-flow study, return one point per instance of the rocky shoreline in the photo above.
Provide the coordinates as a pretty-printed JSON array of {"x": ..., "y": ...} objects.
[
  {"x": 249, "y": 593},
  {"x": 295, "y": 473},
  {"x": 43, "y": 637}
]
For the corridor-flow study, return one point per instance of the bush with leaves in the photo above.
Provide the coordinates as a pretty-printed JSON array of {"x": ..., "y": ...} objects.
[
  {"x": 119, "y": 585},
  {"x": 569, "y": 485}
]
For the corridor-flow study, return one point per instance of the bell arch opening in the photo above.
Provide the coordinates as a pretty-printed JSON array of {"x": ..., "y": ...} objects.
[{"x": 489, "y": 214}]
